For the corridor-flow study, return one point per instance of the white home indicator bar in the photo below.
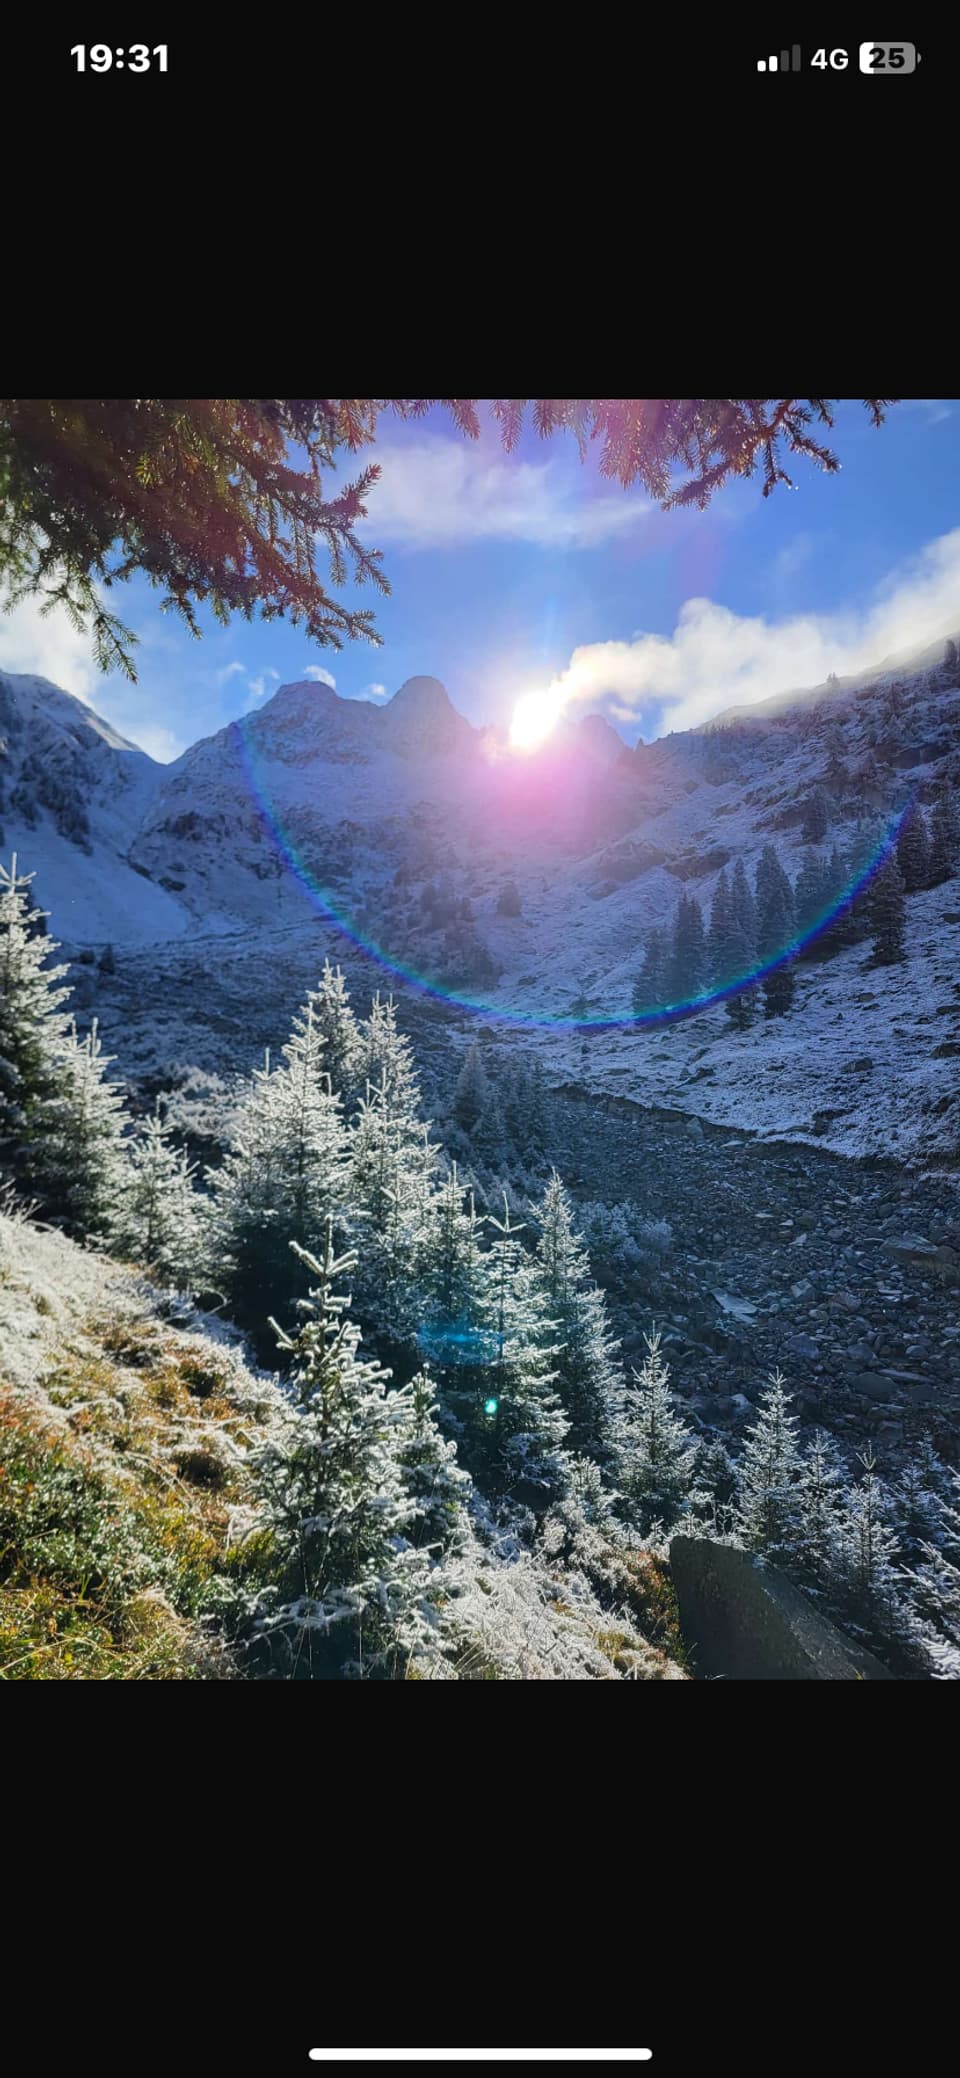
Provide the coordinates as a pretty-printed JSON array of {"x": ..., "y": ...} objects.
[{"x": 481, "y": 2056}]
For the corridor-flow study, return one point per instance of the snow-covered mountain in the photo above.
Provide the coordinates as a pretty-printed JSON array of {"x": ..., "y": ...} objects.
[
  {"x": 73, "y": 795},
  {"x": 528, "y": 881}
]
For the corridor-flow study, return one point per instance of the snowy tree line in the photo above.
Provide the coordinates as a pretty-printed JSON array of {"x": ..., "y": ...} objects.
[
  {"x": 750, "y": 927},
  {"x": 481, "y": 1402}
]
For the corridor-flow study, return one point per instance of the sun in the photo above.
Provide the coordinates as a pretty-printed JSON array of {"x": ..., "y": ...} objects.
[{"x": 534, "y": 716}]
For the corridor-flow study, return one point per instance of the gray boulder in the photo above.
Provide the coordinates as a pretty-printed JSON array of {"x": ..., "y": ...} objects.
[{"x": 744, "y": 1621}]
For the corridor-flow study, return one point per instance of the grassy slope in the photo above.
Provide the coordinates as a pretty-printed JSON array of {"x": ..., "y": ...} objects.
[{"x": 122, "y": 1473}]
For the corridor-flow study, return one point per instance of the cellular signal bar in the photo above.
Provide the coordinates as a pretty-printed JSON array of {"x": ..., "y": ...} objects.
[{"x": 788, "y": 61}]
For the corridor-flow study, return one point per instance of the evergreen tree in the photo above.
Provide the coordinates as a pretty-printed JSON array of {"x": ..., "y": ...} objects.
[
  {"x": 950, "y": 660},
  {"x": 715, "y": 1485},
  {"x": 868, "y": 1554},
  {"x": 32, "y": 1025},
  {"x": 435, "y": 1483},
  {"x": 107, "y": 964},
  {"x": 888, "y": 912},
  {"x": 687, "y": 963},
  {"x": 913, "y": 850},
  {"x": 285, "y": 1171},
  {"x": 944, "y": 839},
  {"x": 658, "y": 1454},
  {"x": 769, "y": 1477},
  {"x": 933, "y": 1577},
  {"x": 473, "y": 1095},
  {"x": 587, "y": 1373},
  {"x": 718, "y": 942},
  {"x": 451, "y": 1282},
  {"x": 385, "y": 1055},
  {"x": 85, "y": 1157},
  {"x": 743, "y": 909},
  {"x": 920, "y": 1504},
  {"x": 339, "y": 1032},
  {"x": 391, "y": 1177},
  {"x": 336, "y": 1515},
  {"x": 508, "y": 900},
  {"x": 820, "y": 1497},
  {"x": 739, "y": 1009},
  {"x": 518, "y": 1424},
  {"x": 810, "y": 895},
  {"x": 161, "y": 1224},
  {"x": 779, "y": 989},
  {"x": 740, "y": 952},
  {"x": 816, "y": 817},
  {"x": 775, "y": 911},
  {"x": 523, "y": 1108},
  {"x": 649, "y": 989}
]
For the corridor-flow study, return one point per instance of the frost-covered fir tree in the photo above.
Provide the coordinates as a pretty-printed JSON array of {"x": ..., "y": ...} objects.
[
  {"x": 944, "y": 839},
  {"x": 339, "y": 1032},
  {"x": 921, "y": 1503},
  {"x": 821, "y": 1484},
  {"x": 687, "y": 963},
  {"x": 769, "y": 1477},
  {"x": 392, "y": 1164},
  {"x": 451, "y": 1283},
  {"x": 436, "y": 1484},
  {"x": 718, "y": 939},
  {"x": 32, "y": 1026},
  {"x": 385, "y": 1055},
  {"x": 348, "y": 1585},
  {"x": 816, "y": 817},
  {"x": 779, "y": 989},
  {"x": 776, "y": 919},
  {"x": 657, "y": 1453},
  {"x": 86, "y": 1162},
  {"x": 888, "y": 914},
  {"x": 650, "y": 987},
  {"x": 810, "y": 893},
  {"x": 523, "y": 1109},
  {"x": 932, "y": 1580},
  {"x": 913, "y": 850},
  {"x": 743, "y": 911},
  {"x": 473, "y": 1094},
  {"x": 516, "y": 1424},
  {"x": 588, "y": 1377},
  {"x": 161, "y": 1225},
  {"x": 284, "y": 1173},
  {"x": 868, "y": 1557},
  {"x": 740, "y": 1008}
]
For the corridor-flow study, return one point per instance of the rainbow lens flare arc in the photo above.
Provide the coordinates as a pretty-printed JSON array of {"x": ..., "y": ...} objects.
[{"x": 513, "y": 1016}]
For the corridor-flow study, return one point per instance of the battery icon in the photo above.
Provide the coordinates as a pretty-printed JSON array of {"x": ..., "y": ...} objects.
[
  {"x": 887, "y": 59},
  {"x": 787, "y": 61}
]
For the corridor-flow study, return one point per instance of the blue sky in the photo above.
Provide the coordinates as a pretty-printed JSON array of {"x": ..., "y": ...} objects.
[{"x": 511, "y": 574}]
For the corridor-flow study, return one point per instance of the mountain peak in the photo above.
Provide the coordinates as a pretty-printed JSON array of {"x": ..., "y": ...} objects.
[
  {"x": 422, "y": 717},
  {"x": 424, "y": 696}
]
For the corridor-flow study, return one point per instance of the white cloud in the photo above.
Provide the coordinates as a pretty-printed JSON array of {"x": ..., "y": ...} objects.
[
  {"x": 716, "y": 658},
  {"x": 50, "y": 647},
  {"x": 157, "y": 741},
  {"x": 438, "y": 493},
  {"x": 322, "y": 677},
  {"x": 373, "y": 692},
  {"x": 229, "y": 671},
  {"x": 933, "y": 408},
  {"x": 792, "y": 557},
  {"x": 258, "y": 687},
  {"x": 47, "y": 647}
]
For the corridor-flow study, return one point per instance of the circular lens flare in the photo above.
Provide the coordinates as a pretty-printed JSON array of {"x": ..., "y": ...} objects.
[{"x": 616, "y": 1017}]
